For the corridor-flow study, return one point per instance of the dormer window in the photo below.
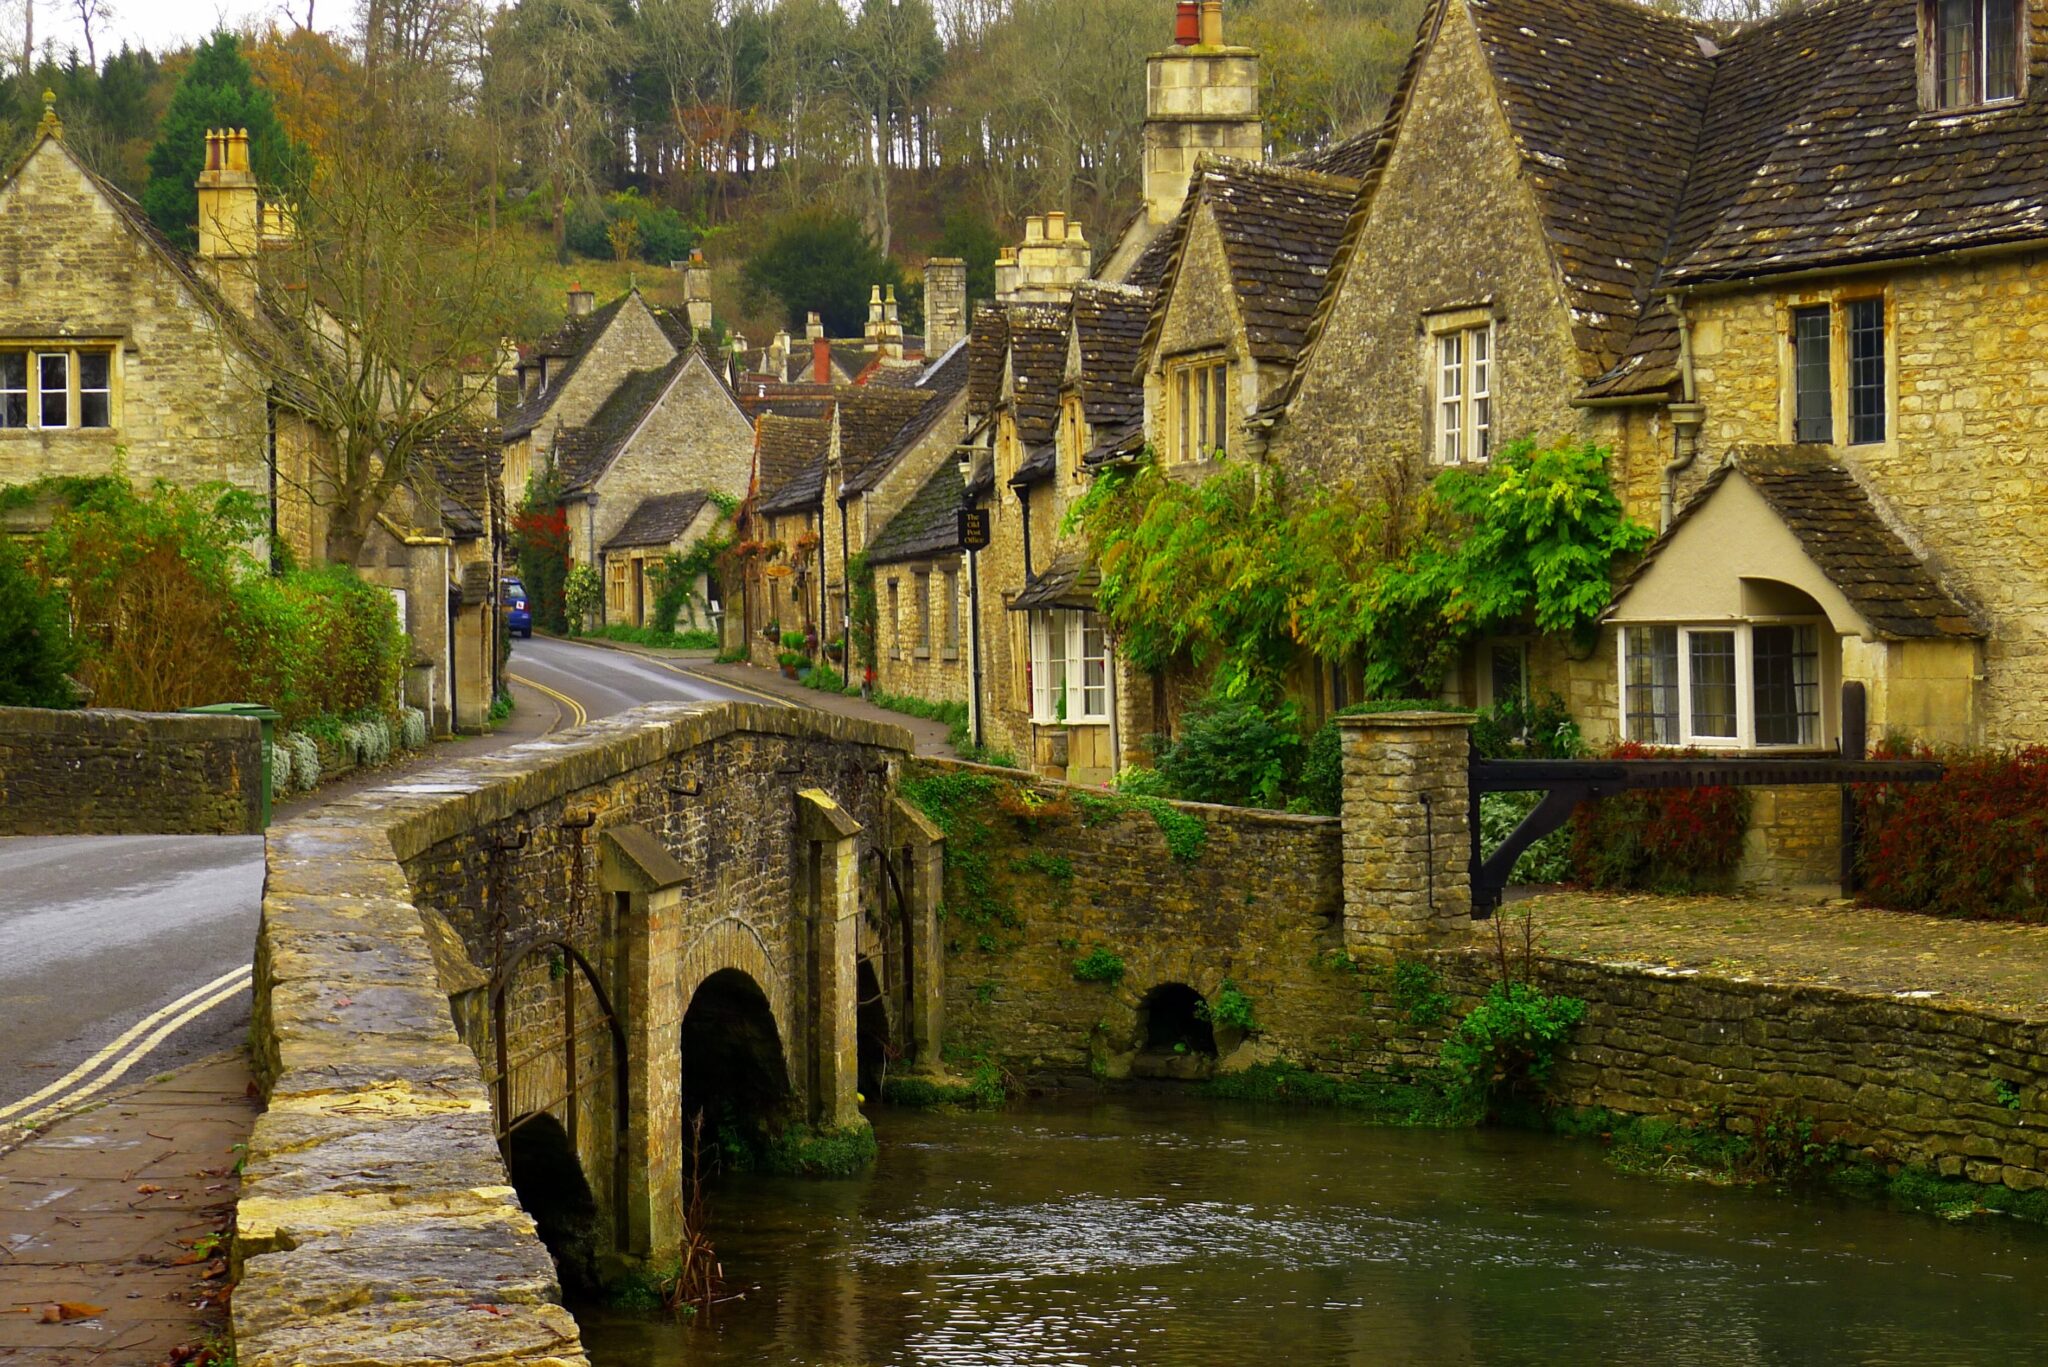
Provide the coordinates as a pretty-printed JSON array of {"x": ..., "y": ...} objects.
[{"x": 1970, "y": 52}]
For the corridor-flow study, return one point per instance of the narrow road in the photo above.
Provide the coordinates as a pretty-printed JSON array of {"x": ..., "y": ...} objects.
[{"x": 129, "y": 956}]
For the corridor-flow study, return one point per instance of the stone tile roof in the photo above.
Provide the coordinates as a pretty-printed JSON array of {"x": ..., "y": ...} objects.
[
  {"x": 572, "y": 342},
  {"x": 1347, "y": 157},
  {"x": 943, "y": 382},
  {"x": 988, "y": 344},
  {"x": 583, "y": 453},
  {"x": 802, "y": 400},
  {"x": 1604, "y": 100},
  {"x": 927, "y": 525},
  {"x": 1845, "y": 533},
  {"x": 1038, "y": 362},
  {"x": 1815, "y": 150},
  {"x": 1280, "y": 228},
  {"x": 1148, "y": 272},
  {"x": 460, "y": 466},
  {"x": 660, "y": 519},
  {"x": 869, "y": 421},
  {"x": 790, "y": 457},
  {"x": 1070, "y": 581},
  {"x": 1109, "y": 323}
]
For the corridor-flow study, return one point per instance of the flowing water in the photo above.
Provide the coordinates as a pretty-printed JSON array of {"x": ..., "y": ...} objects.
[{"x": 1167, "y": 1230}]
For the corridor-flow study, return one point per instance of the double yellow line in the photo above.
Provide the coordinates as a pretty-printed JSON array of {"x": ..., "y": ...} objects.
[
  {"x": 126, "y": 1050},
  {"x": 576, "y": 712}
]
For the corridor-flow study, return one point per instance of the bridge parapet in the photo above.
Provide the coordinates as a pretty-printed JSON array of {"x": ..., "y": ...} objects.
[{"x": 588, "y": 885}]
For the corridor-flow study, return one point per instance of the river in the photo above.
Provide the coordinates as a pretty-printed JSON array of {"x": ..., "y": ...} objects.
[{"x": 1162, "y": 1229}]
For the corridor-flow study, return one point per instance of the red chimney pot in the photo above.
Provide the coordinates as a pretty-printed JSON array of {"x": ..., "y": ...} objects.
[{"x": 1187, "y": 23}]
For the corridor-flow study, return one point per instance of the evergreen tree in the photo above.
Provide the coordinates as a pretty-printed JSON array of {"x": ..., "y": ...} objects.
[{"x": 217, "y": 91}]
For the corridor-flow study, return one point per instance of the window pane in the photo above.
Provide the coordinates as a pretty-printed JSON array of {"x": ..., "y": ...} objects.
[
  {"x": 53, "y": 379},
  {"x": 13, "y": 389},
  {"x": 1187, "y": 414},
  {"x": 1482, "y": 393},
  {"x": 1866, "y": 370},
  {"x": 2001, "y": 60},
  {"x": 1222, "y": 409},
  {"x": 1506, "y": 662},
  {"x": 1094, "y": 670},
  {"x": 95, "y": 408},
  {"x": 1450, "y": 394},
  {"x": 1785, "y": 661},
  {"x": 1813, "y": 416},
  {"x": 1652, "y": 685},
  {"x": 1955, "y": 43},
  {"x": 1712, "y": 656}
]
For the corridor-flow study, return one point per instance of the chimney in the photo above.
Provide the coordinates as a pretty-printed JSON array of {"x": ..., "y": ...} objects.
[
  {"x": 821, "y": 360},
  {"x": 1052, "y": 259},
  {"x": 945, "y": 304},
  {"x": 697, "y": 292},
  {"x": 230, "y": 215},
  {"x": 778, "y": 355},
  {"x": 872, "y": 334},
  {"x": 891, "y": 337},
  {"x": 814, "y": 327},
  {"x": 1201, "y": 98},
  {"x": 581, "y": 301}
]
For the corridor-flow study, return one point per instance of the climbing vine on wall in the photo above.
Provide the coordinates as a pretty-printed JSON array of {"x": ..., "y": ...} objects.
[{"x": 1242, "y": 573}]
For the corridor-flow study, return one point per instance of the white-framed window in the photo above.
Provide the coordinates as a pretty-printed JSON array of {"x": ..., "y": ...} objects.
[
  {"x": 1732, "y": 685},
  {"x": 57, "y": 388},
  {"x": 1199, "y": 392},
  {"x": 1069, "y": 667},
  {"x": 1463, "y": 386}
]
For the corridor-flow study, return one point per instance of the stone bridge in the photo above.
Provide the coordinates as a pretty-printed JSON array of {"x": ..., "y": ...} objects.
[{"x": 687, "y": 908}]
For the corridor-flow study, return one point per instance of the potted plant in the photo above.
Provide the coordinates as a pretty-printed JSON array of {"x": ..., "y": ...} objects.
[
  {"x": 867, "y": 685},
  {"x": 792, "y": 661},
  {"x": 835, "y": 649},
  {"x": 771, "y": 632},
  {"x": 797, "y": 643}
]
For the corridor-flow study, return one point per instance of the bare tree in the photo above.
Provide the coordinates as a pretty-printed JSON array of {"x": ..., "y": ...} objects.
[
  {"x": 551, "y": 61},
  {"x": 92, "y": 14}
]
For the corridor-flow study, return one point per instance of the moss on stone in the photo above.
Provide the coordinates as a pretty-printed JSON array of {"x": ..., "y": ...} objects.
[
  {"x": 801, "y": 1151},
  {"x": 1424, "y": 1099}
]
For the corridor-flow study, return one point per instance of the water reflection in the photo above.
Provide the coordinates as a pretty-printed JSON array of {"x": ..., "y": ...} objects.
[{"x": 1157, "y": 1230}]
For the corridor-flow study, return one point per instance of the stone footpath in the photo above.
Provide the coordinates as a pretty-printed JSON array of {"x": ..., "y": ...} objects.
[
  {"x": 113, "y": 1209},
  {"x": 1997, "y": 965},
  {"x": 933, "y": 737}
]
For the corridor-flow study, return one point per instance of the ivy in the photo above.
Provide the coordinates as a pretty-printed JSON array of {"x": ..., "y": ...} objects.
[
  {"x": 1186, "y": 834},
  {"x": 1241, "y": 575},
  {"x": 955, "y": 803}
]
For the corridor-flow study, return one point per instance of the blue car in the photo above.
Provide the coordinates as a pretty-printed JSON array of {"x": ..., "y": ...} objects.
[{"x": 512, "y": 597}]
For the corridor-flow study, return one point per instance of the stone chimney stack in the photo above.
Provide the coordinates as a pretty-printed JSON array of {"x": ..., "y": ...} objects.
[
  {"x": 581, "y": 302},
  {"x": 1201, "y": 99},
  {"x": 872, "y": 333},
  {"x": 891, "y": 339},
  {"x": 1045, "y": 267},
  {"x": 814, "y": 327},
  {"x": 945, "y": 304},
  {"x": 778, "y": 355},
  {"x": 697, "y": 292},
  {"x": 230, "y": 215}
]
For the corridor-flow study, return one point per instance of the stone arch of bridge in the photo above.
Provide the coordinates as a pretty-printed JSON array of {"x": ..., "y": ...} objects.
[{"x": 729, "y": 944}]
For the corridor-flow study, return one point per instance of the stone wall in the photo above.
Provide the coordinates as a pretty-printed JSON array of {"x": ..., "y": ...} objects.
[
  {"x": 638, "y": 856},
  {"x": 108, "y": 772}
]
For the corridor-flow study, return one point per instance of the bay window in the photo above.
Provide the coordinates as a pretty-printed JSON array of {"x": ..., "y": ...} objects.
[
  {"x": 1069, "y": 667},
  {"x": 1746, "y": 684}
]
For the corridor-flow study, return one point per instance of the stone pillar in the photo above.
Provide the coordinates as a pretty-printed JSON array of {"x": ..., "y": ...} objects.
[
  {"x": 923, "y": 847},
  {"x": 832, "y": 869},
  {"x": 645, "y": 885},
  {"x": 1407, "y": 831}
]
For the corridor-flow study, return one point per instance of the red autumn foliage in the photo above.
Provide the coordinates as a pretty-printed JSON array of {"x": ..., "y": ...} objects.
[
  {"x": 1972, "y": 843},
  {"x": 1659, "y": 839}
]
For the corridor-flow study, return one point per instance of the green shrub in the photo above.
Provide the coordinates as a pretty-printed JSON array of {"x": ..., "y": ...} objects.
[
  {"x": 794, "y": 640},
  {"x": 582, "y": 596},
  {"x": 1232, "y": 1009},
  {"x": 793, "y": 659},
  {"x": 36, "y": 654},
  {"x": 1138, "y": 781},
  {"x": 1548, "y": 860},
  {"x": 1234, "y": 751},
  {"x": 1100, "y": 965},
  {"x": 659, "y": 233},
  {"x": 694, "y": 639},
  {"x": 1507, "y": 1044},
  {"x": 825, "y": 679}
]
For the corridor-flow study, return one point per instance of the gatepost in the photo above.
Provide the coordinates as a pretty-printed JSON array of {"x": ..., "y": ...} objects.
[{"x": 1407, "y": 833}]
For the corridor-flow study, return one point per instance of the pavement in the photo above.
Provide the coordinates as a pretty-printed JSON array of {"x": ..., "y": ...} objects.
[{"x": 109, "y": 1221}]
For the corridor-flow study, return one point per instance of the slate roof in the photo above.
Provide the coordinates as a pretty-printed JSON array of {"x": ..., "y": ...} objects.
[
  {"x": 790, "y": 400},
  {"x": 1347, "y": 157},
  {"x": 571, "y": 342},
  {"x": 869, "y": 421},
  {"x": 790, "y": 453},
  {"x": 987, "y": 343},
  {"x": 1070, "y": 581},
  {"x": 928, "y": 525},
  {"x": 583, "y": 453},
  {"x": 1815, "y": 150},
  {"x": 1280, "y": 228},
  {"x": 461, "y": 468},
  {"x": 1038, "y": 363},
  {"x": 660, "y": 519},
  {"x": 1846, "y": 535},
  {"x": 943, "y": 382},
  {"x": 1148, "y": 272},
  {"x": 1109, "y": 323},
  {"x": 1604, "y": 100}
]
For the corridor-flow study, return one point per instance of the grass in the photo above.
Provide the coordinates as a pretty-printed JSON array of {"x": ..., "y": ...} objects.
[
  {"x": 800, "y": 1151},
  {"x": 698, "y": 639},
  {"x": 1424, "y": 1100}
]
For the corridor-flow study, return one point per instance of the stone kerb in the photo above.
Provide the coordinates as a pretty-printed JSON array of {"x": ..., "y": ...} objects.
[
  {"x": 1407, "y": 833},
  {"x": 377, "y": 1224}
]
